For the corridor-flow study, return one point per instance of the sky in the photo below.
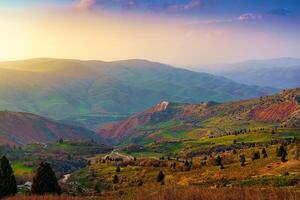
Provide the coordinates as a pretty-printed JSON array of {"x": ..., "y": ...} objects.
[{"x": 177, "y": 32}]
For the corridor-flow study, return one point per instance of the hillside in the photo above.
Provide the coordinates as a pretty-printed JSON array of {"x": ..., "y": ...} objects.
[
  {"x": 24, "y": 128},
  {"x": 90, "y": 93},
  {"x": 175, "y": 121},
  {"x": 278, "y": 73}
]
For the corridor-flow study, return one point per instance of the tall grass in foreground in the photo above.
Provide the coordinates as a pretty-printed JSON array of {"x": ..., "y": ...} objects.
[
  {"x": 221, "y": 193},
  {"x": 190, "y": 193}
]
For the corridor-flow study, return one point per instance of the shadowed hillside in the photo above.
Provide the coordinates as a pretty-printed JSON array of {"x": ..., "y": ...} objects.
[
  {"x": 91, "y": 93},
  {"x": 23, "y": 128}
]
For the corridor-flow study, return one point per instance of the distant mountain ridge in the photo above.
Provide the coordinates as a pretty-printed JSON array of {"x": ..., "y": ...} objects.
[
  {"x": 90, "y": 93},
  {"x": 280, "y": 73},
  {"x": 167, "y": 121},
  {"x": 22, "y": 128}
]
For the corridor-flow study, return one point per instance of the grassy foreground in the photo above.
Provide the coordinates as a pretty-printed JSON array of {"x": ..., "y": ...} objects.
[{"x": 188, "y": 193}]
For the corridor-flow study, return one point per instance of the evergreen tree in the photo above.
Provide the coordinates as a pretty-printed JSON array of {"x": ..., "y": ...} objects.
[
  {"x": 218, "y": 161},
  {"x": 234, "y": 151},
  {"x": 160, "y": 177},
  {"x": 61, "y": 141},
  {"x": 118, "y": 169},
  {"x": 8, "y": 184},
  {"x": 242, "y": 160},
  {"x": 255, "y": 155},
  {"x": 187, "y": 164},
  {"x": 283, "y": 156},
  {"x": 115, "y": 179},
  {"x": 281, "y": 151},
  {"x": 264, "y": 153},
  {"x": 45, "y": 181}
]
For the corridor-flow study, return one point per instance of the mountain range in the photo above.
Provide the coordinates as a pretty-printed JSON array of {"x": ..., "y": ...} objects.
[
  {"x": 279, "y": 73},
  {"x": 169, "y": 121},
  {"x": 90, "y": 93}
]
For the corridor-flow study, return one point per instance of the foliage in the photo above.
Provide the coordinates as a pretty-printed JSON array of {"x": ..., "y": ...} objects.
[
  {"x": 8, "y": 185},
  {"x": 160, "y": 177},
  {"x": 45, "y": 181}
]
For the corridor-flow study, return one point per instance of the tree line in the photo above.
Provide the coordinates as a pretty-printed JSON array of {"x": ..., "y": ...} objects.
[{"x": 44, "y": 180}]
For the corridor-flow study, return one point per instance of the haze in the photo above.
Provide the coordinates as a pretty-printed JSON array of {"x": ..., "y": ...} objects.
[{"x": 181, "y": 32}]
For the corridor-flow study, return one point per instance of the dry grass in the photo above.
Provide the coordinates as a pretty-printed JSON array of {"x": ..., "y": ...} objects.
[
  {"x": 189, "y": 193},
  {"x": 221, "y": 193},
  {"x": 46, "y": 197}
]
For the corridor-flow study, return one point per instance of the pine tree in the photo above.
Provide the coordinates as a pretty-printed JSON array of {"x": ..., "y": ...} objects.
[
  {"x": 115, "y": 179},
  {"x": 8, "y": 184},
  {"x": 45, "y": 181},
  {"x": 118, "y": 169},
  {"x": 264, "y": 153},
  {"x": 242, "y": 160},
  {"x": 186, "y": 163},
  {"x": 283, "y": 156},
  {"x": 255, "y": 155},
  {"x": 218, "y": 161},
  {"x": 160, "y": 177},
  {"x": 281, "y": 151}
]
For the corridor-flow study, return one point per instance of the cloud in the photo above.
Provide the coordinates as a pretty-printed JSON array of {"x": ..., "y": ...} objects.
[
  {"x": 249, "y": 16},
  {"x": 171, "y": 6},
  {"x": 188, "y": 6},
  {"x": 85, "y": 4}
]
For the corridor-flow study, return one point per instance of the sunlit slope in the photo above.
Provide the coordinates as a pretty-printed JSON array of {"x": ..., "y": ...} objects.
[
  {"x": 176, "y": 121},
  {"x": 93, "y": 92}
]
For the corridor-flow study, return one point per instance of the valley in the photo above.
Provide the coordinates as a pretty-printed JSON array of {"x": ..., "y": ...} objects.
[
  {"x": 150, "y": 100},
  {"x": 92, "y": 93},
  {"x": 195, "y": 146}
]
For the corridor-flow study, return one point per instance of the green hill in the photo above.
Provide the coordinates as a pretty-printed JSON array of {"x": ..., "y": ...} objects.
[
  {"x": 90, "y": 93},
  {"x": 176, "y": 123}
]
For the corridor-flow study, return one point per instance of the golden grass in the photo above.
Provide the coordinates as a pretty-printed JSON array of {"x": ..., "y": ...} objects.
[
  {"x": 192, "y": 193},
  {"x": 188, "y": 193}
]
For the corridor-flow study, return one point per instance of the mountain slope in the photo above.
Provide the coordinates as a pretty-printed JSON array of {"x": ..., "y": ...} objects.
[
  {"x": 185, "y": 121},
  {"x": 278, "y": 73},
  {"x": 90, "y": 93},
  {"x": 23, "y": 128}
]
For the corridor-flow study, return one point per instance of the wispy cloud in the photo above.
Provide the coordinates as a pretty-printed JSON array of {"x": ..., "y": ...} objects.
[
  {"x": 250, "y": 16},
  {"x": 85, "y": 4},
  {"x": 143, "y": 5},
  {"x": 188, "y": 6}
]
